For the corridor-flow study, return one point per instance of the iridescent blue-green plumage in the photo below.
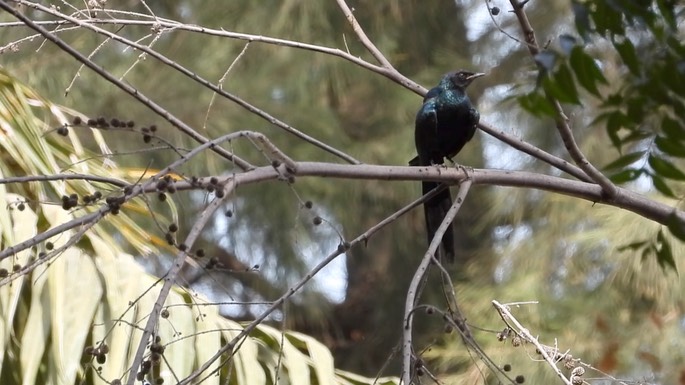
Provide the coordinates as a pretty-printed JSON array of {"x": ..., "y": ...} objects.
[{"x": 445, "y": 122}]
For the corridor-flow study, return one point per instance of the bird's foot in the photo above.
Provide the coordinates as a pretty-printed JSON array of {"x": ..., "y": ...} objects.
[{"x": 467, "y": 170}]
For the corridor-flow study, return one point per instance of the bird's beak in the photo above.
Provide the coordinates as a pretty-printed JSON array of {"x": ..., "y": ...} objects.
[{"x": 474, "y": 76}]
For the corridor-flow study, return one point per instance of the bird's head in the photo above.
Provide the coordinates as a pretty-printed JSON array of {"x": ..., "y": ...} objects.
[{"x": 462, "y": 78}]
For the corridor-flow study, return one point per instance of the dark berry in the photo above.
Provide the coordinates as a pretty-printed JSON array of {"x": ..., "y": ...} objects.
[
  {"x": 173, "y": 227},
  {"x": 162, "y": 185},
  {"x": 494, "y": 11},
  {"x": 77, "y": 121}
]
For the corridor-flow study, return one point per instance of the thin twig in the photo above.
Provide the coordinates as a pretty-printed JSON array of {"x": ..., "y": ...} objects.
[
  {"x": 221, "y": 82},
  {"x": 123, "y": 86},
  {"x": 507, "y": 317},
  {"x": 170, "y": 280},
  {"x": 610, "y": 190},
  {"x": 511, "y": 140},
  {"x": 359, "y": 31},
  {"x": 148, "y": 186},
  {"x": 342, "y": 248},
  {"x": 413, "y": 291},
  {"x": 244, "y": 104},
  {"x": 535, "y": 152}
]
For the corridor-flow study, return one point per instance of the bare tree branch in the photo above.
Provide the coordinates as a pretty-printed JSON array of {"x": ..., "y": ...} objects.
[
  {"x": 123, "y": 86},
  {"x": 561, "y": 119},
  {"x": 414, "y": 291}
]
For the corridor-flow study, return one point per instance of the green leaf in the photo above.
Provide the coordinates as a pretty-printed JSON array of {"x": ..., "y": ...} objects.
[
  {"x": 562, "y": 86},
  {"x": 617, "y": 120},
  {"x": 662, "y": 186},
  {"x": 665, "y": 168},
  {"x": 586, "y": 70},
  {"x": 676, "y": 226},
  {"x": 613, "y": 126},
  {"x": 546, "y": 60},
  {"x": 670, "y": 146},
  {"x": 666, "y": 8},
  {"x": 613, "y": 100},
  {"x": 672, "y": 128},
  {"x": 634, "y": 246},
  {"x": 536, "y": 104},
  {"x": 625, "y": 176},
  {"x": 626, "y": 50},
  {"x": 582, "y": 19},
  {"x": 636, "y": 108},
  {"x": 664, "y": 255},
  {"x": 638, "y": 135},
  {"x": 625, "y": 160},
  {"x": 607, "y": 19}
]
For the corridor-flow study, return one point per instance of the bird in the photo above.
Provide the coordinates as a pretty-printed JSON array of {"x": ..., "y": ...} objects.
[{"x": 445, "y": 122}]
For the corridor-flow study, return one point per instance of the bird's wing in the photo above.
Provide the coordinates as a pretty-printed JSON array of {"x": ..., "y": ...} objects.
[
  {"x": 426, "y": 133},
  {"x": 432, "y": 93},
  {"x": 428, "y": 116},
  {"x": 474, "y": 118}
]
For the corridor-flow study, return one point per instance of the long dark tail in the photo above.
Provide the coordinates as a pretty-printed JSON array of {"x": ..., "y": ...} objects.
[{"x": 435, "y": 210}]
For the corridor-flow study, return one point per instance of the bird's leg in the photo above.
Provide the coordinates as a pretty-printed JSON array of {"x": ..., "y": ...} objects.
[{"x": 451, "y": 162}]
